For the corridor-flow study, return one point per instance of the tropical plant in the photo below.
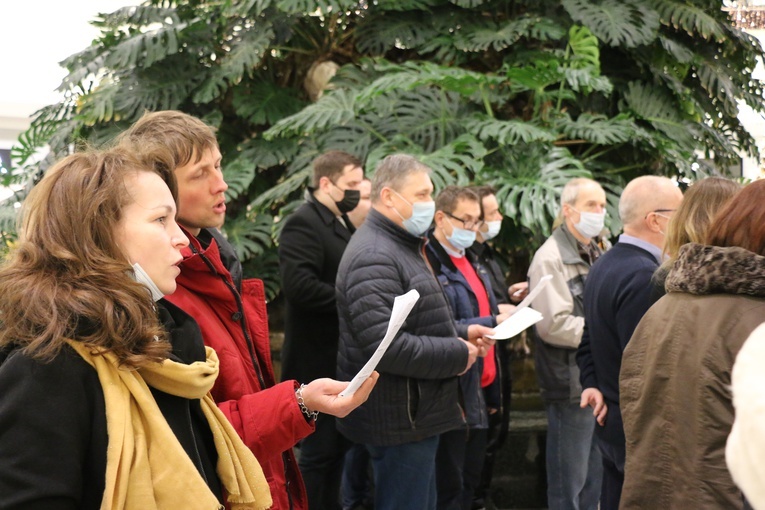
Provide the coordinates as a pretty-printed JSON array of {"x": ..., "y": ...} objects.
[{"x": 521, "y": 94}]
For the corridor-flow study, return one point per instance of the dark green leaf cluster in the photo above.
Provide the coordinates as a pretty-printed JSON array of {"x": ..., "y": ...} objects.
[{"x": 520, "y": 94}]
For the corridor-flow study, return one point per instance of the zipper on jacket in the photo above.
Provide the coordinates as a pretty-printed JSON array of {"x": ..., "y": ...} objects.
[
  {"x": 409, "y": 404},
  {"x": 242, "y": 323},
  {"x": 198, "y": 458}
]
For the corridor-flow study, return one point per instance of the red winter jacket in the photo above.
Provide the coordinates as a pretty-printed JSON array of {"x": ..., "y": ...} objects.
[{"x": 265, "y": 414}]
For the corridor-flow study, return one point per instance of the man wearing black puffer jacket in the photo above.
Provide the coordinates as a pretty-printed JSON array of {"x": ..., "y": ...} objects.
[{"x": 416, "y": 398}]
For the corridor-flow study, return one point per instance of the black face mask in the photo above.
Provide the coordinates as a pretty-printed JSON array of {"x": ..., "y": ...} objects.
[{"x": 350, "y": 200}]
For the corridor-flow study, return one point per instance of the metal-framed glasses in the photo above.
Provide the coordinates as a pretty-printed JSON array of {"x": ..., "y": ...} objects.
[
  {"x": 466, "y": 224},
  {"x": 659, "y": 211}
]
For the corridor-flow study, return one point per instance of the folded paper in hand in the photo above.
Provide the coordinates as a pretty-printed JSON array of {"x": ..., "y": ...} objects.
[
  {"x": 402, "y": 305},
  {"x": 523, "y": 317},
  {"x": 520, "y": 320}
]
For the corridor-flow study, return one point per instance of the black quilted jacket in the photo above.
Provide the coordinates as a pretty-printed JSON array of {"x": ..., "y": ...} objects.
[{"x": 416, "y": 396}]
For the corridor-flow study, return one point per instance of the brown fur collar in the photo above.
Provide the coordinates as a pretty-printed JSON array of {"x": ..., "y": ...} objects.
[{"x": 701, "y": 269}]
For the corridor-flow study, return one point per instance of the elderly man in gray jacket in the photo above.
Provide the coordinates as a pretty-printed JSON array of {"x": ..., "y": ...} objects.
[
  {"x": 416, "y": 398},
  {"x": 574, "y": 470}
]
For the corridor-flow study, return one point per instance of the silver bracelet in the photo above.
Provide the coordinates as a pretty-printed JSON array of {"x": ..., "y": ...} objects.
[{"x": 311, "y": 415}]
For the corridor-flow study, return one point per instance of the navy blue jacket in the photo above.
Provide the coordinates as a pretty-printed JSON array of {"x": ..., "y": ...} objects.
[
  {"x": 617, "y": 295},
  {"x": 464, "y": 305}
]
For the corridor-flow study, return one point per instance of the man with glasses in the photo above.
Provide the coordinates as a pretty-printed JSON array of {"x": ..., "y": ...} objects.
[
  {"x": 467, "y": 286},
  {"x": 416, "y": 399},
  {"x": 617, "y": 295},
  {"x": 310, "y": 248}
]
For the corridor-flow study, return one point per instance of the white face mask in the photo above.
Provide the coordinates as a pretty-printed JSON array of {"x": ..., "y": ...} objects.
[
  {"x": 590, "y": 224},
  {"x": 494, "y": 227},
  {"x": 141, "y": 277}
]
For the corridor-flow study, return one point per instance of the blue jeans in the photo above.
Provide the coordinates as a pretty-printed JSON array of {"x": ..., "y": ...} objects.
[
  {"x": 574, "y": 466},
  {"x": 405, "y": 475},
  {"x": 356, "y": 487}
]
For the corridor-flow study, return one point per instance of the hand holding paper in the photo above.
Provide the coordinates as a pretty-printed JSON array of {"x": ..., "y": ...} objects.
[
  {"x": 523, "y": 317},
  {"x": 402, "y": 305}
]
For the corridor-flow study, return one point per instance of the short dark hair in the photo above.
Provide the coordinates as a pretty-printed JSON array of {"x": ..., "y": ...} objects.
[
  {"x": 331, "y": 165},
  {"x": 741, "y": 222},
  {"x": 483, "y": 191},
  {"x": 448, "y": 198}
]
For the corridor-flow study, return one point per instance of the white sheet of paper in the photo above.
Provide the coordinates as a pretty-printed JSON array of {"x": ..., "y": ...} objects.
[
  {"x": 402, "y": 305},
  {"x": 516, "y": 323},
  {"x": 534, "y": 292}
]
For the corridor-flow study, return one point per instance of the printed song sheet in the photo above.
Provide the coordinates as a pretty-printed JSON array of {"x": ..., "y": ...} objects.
[{"x": 402, "y": 305}]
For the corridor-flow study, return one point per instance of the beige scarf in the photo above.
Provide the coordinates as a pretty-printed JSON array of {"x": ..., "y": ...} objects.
[{"x": 146, "y": 466}]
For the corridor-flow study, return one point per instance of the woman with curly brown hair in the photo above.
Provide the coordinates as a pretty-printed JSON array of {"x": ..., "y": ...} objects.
[{"x": 101, "y": 407}]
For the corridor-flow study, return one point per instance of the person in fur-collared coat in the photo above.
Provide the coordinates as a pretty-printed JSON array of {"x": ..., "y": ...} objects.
[{"x": 676, "y": 371}]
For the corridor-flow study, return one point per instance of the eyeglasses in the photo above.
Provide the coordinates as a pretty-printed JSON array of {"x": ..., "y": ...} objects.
[
  {"x": 467, "y": 224},
  {"x": 657, "y": 211}
]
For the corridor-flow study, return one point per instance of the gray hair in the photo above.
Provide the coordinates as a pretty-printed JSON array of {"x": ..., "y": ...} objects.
[
  {"x": 393, "y": 171},
  {"x": 569, "y": 195},
  {"x": 571, "y": 190}
]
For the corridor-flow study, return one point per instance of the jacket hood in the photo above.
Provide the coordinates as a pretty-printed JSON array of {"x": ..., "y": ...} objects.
[{"x": 701, "y": 269}]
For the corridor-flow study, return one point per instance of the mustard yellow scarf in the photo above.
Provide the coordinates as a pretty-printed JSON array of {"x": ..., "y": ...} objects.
[{"x": 146, "y": 466}]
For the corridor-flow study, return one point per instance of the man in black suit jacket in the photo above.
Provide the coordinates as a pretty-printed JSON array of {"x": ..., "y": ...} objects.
[{"x": 310, "y": 248}]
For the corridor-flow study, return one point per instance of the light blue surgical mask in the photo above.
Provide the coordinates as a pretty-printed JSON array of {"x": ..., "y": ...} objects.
[
  {"x": 421, "y": 218},
  {"x": 461, "y": 238}
]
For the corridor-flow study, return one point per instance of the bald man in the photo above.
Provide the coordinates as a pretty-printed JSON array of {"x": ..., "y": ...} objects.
[{"x": 617, "y": 295}]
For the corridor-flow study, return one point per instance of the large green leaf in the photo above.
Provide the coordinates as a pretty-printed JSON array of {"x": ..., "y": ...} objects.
[
  {"x": 145, "y": 48},
  {"x": 315, "y": 6},
  {"x": 598, "y": 129},
  {"x": 238, "y": 174},
  {"x": 250, "y": 235},
  {"x": 265, "y": 102},
  {"x": 529, "y": 190},
  {"x": 684, "y": 16},
  {"x": 497, "y": 38},
  {"x": 336, "y": 107},
  {"x": 627, "y": 23},
  {"x": 241, "y": 56},
  {"x": 509, "y": 132}
]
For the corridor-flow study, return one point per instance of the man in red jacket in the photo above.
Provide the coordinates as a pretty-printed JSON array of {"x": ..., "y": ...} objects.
[{"x": 231, "y": 312}]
